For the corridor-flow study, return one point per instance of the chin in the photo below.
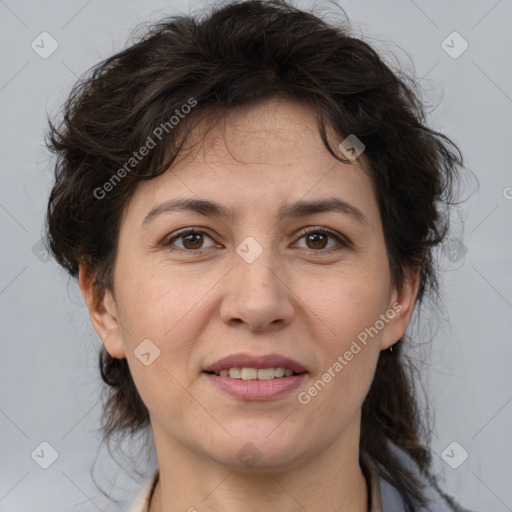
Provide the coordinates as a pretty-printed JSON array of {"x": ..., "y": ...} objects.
[{"x": 256, "y": 454}]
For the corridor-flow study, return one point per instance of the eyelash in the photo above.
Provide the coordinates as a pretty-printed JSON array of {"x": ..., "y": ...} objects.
[{"x": 345, "y": 244}]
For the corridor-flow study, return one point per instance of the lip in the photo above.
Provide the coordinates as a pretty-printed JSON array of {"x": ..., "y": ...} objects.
[
  {"x": 257, "y": 390},
  {"x": 243, "y": 360}
]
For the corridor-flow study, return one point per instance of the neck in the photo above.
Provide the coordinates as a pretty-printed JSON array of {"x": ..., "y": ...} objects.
[{"x": 330, "y": 480}]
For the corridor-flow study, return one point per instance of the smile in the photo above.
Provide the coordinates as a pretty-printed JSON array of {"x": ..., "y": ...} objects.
[
  {"x": 255, "y": 373},
  {"x": 246, "y": 383}
]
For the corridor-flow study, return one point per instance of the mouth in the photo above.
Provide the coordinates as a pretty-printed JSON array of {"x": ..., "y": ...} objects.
[
  {"x": 261, "y": 374},
  {"x": 256, "y": 378},
  {"x": 247, "y": 385},
  {"x": 251, "y": 367}
]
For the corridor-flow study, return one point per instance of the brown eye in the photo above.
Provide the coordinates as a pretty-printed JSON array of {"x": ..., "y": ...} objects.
[
  {"x": 191, "y": 240},
  {"x": 317, "y": 239}
]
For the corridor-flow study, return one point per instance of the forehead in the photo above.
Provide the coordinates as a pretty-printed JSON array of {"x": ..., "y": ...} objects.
[
  {"x": 273, "y": 132},
  {"x": 249, "y": 158}
]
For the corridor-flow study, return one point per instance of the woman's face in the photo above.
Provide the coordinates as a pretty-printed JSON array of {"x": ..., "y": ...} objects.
[{"x": 254, "y": 283}]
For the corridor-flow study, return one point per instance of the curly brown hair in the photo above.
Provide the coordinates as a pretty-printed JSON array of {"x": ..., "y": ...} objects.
[{"x": 235, "y": 56}]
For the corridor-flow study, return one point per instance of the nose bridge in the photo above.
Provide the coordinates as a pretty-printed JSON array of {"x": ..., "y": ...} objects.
[
  {"x": 257, "y": 259},
  {"x": 256, "y": 266},
  {"x": 257, "y": 293}
]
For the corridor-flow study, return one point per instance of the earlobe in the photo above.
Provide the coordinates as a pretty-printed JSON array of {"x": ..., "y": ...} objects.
[
  {"x": 103, "y": 314},
  {"x": 402, "y": 303}
]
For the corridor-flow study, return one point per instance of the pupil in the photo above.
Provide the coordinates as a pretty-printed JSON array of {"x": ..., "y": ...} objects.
[
  {"x": 311, "y": 237},
  {"x": 197, "y": 235}
]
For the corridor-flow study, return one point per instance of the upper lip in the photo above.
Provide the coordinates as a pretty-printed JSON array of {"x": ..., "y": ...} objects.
[{"x": 241, "y": 360}]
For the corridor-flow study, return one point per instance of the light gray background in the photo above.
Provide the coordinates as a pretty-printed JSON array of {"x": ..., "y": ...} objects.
[{"x": 49, "y": 377}]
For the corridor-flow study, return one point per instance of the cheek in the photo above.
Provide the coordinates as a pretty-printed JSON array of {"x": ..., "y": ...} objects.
[
  {"x": 158, "y": 302},
  {"x": 171, "y": 311},
  {"x": 348, "y": 360},
  {"x": 349, "y": 305},
  {"x": 334, "y": 397},
  {"x": 348, "y": 340}
]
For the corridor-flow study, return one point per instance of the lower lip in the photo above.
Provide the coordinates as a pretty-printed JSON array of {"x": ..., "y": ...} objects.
[{"x": 257, "y": 389}]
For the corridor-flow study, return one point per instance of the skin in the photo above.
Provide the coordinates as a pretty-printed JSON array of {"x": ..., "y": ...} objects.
[{"x": 299, "y": 298}]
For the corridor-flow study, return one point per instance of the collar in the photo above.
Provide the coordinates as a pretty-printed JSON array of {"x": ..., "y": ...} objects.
[
  {"x": 141, "y": 503},
  {"x": 372, "y": 481}
]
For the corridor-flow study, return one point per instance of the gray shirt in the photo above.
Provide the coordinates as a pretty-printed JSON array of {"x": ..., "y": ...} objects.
[{"x": 385, "y": 497}]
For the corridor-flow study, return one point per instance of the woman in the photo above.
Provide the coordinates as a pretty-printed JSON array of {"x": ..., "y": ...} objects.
[{"x": 250, "y": 201}]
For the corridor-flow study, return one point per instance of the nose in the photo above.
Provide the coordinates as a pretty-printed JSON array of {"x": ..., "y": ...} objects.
[{"x": 257, "y": 295}]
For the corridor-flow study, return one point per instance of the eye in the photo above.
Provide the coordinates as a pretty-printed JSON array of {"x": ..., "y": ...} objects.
[
  {"x": 192, "y": 240},
  {"x": 317, "y": 238}
]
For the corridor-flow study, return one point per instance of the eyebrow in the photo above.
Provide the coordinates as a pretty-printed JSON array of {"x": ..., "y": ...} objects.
[{"x": 296, "y": 210}]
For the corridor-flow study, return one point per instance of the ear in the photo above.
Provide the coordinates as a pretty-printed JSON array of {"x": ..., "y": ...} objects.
[
  {"x": 402, "y": 303},
  {"x": 103, "y": 314}
]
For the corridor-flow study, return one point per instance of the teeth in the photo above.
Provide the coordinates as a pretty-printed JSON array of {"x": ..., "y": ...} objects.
[
  {"x": 235, "y": 373},
  {"x": 249, "y": 374},
  {"x": 266, "y": 374},
  {"x": 254, "y": 373},
  {"x": 279, "y": 372}
]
